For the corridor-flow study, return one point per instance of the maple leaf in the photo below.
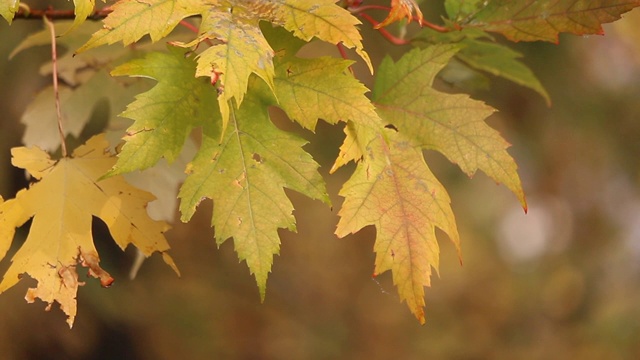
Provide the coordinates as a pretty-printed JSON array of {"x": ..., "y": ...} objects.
[
  {"x": 321, "y": 88},
  {"x": 62, "y": 204},
  {"x": 132, "y": 19},
  {"x": 491, "y": 57},
  {"x": 351, "y": 148},
  {"x": 401, "y": 9},
  {"x": 321, "y": 19},
  {"x": 452, "y": 124},
  {"x": 8, "y": 9},
  {"x": 460, "y": 10},
  {"x": 77, "y": 107},
  {"x": 242, "y": 50},
  {"x": 393, "y": 189},
  {"x": 245, "y": 174},
  {"x": 165, "y": 115},
  {"x": 82, "y": 10},
  {"x": 528, "y": 20}
]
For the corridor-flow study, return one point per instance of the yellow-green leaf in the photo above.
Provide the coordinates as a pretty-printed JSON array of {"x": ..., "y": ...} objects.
[
  {"x": 165, "y": 115},
  {"x": 245, "y": 174},
  {"x": 82, "y": 10},
  {"x": 481, "y": 52},
  {"x": 393, "y": 189},
  {"x": 321, "y": 88},
  {"x": 132, "y": 19},
  {"x": 62, "y": 204},
  {"x": 452, "y": 124},
  {"x": 8, "y": 9},
  {"x": 322, "y": 19},
  {"x": 243, "y": 50}
]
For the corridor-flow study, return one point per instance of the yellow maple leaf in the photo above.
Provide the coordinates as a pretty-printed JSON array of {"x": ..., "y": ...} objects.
[{"x": 62, "y": 204}]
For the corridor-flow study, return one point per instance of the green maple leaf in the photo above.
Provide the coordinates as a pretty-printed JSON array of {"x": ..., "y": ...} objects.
[
  {"x": 461, "y": 9},
  {"x": 8, "y": 9},
  {"x": 529, "y": 20},
  {"x": 488, "y": 56},
  {"x": 393, "y": 189},
  {"x": 450, "y": 124},
  {"x": 241, "y": 49},
  {"x": 245, "y": 174},
  {"x": 321, "y": 88},
  {"x": 165, "y": 115}
]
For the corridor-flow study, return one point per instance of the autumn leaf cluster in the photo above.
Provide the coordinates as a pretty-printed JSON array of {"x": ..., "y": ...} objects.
[{"x": 193, "y": 109}]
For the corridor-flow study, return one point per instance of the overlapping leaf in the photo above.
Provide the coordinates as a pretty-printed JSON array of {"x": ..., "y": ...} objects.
[
  {"x": 478, "y": 52},
  {"x": 8, "y": 9},
  {"x": 451, "y": 124},
  {"x": 241, "y": 49},
  {"x": 84, "y": 83},
  {"x": 245, "y": 175},
  {"x": 393, "y": 189},
  {"x": 318, "y": 88},
  {"x": 77, "y": 107},
  {"x": 165, "y": 115},
  {"x": 321, "y": 19},
  {"x": 82, "y": 10},
  {"x": 62, "y": 204},
  {"x": 132, "y": 19},
  {"x": 459, "y": 10},
  {"x": 531, "y": 20}
]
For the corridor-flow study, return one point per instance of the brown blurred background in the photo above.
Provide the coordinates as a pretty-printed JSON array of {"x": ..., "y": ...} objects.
[{"x": 561, "y": 282}]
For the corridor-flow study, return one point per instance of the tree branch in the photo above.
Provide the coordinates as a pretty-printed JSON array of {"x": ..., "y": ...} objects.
[
  {"x": 52, "y": 14},
  {"x": 56, "y": 91}
]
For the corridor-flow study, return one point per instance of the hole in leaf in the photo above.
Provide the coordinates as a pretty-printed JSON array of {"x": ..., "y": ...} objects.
[{"x": 392, "y": 127}]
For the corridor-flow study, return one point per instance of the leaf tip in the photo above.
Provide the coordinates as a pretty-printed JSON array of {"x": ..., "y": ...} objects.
[
  {"x": 263, "y": 292},
  {"x": 169, "y": 261},
  {"x": 419, "y": 314}
]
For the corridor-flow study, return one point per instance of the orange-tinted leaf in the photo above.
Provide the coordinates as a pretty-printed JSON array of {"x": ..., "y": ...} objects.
[
  {"x": 401, "y": 9},
  {"x": 452, "y": 124},
  {"x": 531, "y": 20},
  {"x": 394, "y": 189}
]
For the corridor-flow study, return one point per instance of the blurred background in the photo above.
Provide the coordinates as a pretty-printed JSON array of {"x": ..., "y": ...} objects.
[{"x": 562, "y": 281}]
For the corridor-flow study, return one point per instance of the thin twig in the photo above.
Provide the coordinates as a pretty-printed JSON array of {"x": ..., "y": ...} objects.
[
  {"x": 195, "y": 30},
  {"x": 343, "y": 53},
  {"x": 32, "y": 14},
  {"x": 54, "y": 60},
  {"x": 393, "y": 39}
]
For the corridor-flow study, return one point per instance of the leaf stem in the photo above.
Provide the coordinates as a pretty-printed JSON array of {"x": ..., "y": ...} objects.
[
  {"x": 56, "y": 91},
  {"x": 343, "y": 54},
  {"x": 393, "y": 39},
  {"x": 195, "y": 30}
]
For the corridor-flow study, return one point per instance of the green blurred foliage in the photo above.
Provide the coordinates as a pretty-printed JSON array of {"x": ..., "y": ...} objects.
[{"x": 560, "y": 282}]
